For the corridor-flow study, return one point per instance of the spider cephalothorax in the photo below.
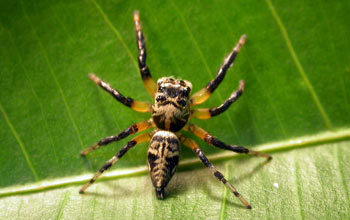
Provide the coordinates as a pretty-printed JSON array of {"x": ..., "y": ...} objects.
[
  {"x": 171, "y": 108},
  {"x": 171, "y": 111}
]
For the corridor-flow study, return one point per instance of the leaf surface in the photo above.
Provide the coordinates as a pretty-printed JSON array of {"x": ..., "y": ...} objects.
[{"x": 295, "y": 65}]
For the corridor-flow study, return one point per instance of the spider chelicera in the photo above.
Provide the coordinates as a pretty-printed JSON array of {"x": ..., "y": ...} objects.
[{"x": 171, "y": 112}]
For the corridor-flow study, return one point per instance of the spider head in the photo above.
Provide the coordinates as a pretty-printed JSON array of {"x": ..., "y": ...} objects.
[
  {"x": 172, "y": 103},
  {"x": 173, "y": 91}
]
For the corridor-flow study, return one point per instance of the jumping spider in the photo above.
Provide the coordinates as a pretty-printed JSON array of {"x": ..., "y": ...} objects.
[{"x": 171, "y": 111}]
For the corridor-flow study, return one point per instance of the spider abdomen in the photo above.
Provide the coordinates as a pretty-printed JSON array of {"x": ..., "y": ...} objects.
[{"x": 163, "y": 157}]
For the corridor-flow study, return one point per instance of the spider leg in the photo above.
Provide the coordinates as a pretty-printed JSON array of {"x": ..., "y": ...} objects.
[
  {"x": 139, "y": 139},
  {"x": 205, "y": 113},
  {"x": 127, "y": 101},
  {"x": 147, "y": 79},
  {"x": 199, "y": 132},
  {"x": 128, "y": 131},
  {"x": 203, "y": 94},
  {"x": 194, "y": 146}
]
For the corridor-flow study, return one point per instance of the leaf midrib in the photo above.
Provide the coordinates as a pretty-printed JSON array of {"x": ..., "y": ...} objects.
[{"x": 295, "y": 143}]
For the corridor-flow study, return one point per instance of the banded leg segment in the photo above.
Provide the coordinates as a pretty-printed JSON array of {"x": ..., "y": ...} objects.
[
  {"x": 127, "y": 101},
  {"x": 205, "y": 113},
  {"x": 193, "y": 145},
  {"x": 147, "y": 79},
  {"x": 199, "y": 132},
  {"x": 203, "y": 94},
  {"x": 139, "y": 139},
  {"x": 130, "y": 130}
]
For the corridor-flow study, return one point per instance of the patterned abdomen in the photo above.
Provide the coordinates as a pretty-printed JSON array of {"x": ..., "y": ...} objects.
[{"x": 163, "y": 157}]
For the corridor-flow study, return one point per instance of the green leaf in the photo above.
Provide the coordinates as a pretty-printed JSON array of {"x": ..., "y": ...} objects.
[{"x": 295, "y": 106}]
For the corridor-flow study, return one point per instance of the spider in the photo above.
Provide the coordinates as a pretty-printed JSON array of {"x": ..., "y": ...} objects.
[{"x": 171, "y": 111}]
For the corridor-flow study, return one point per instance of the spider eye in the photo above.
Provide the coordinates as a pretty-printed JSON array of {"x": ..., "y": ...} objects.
[
  {"x": 186, "y": 91},
  {"x": 160, "y": 98},
  {"x": 161, "y": 89},
  {"x": 181, "y": 102}
]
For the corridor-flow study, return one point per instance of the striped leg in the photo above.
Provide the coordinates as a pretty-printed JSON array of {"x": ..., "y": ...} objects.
[
  {"x": 130, "y": 130},
  {"x": 147, "y": 79},
  {"x": 203, "y": 94},
  {"x": 139, "y": 139},
  {"x": 205, "y": 113},
  {"x": 217, "y": 143},
  {"x": 193, "y": 145},
  {"x": 129, "y": 102}
]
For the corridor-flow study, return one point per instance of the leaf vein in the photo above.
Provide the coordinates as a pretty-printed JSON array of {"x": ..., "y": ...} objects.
[
  {"x": 342, "y": 175},
  {"x": 19, "y": 141},
  {"x": 62, "y": 205},
  {"x": 248, "y": 103},
  {"x": 268, "y": 97},
  {"x": 116, "y": 32},
  {"x": 204, "y": 62},
  {"x": 35, "y": 94},
  {"x": 336, "y": 61},
  {"x": 88, "y": 64},
  {"x": 53, "y": 74},
  {"x": 298, "y": 65},
  {"x": 297, "y": 183}
]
